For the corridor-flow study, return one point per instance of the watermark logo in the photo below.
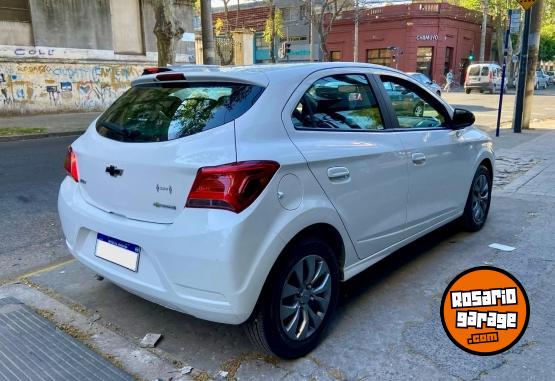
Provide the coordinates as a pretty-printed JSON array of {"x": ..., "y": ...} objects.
[{"x": 485, "y": 310}]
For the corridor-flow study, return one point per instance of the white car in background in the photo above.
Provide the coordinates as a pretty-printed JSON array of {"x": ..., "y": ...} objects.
[{"x": 246, "y": 195}]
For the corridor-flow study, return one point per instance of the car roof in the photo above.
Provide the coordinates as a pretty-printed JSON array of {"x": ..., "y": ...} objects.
[{"x": 258, "y": 74}]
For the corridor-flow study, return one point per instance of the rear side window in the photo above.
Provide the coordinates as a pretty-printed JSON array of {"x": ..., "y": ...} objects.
[
  {"x": 168, "y": 111},
  {"x": 485, "y": 71},
  {"x": 339, "y": 102},
  {"x": 474, "y": 70}
]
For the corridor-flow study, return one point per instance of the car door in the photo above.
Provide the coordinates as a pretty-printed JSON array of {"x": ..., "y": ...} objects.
[
  {"x": 335, "y": 120},
  {"x": 438, "y": 157}
]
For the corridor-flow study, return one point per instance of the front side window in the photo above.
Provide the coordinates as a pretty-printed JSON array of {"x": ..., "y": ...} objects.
[
  {"x": 160, "y": 112},
  {"x": 339, "y": 102},
  {"x": 412, "y": 106}
]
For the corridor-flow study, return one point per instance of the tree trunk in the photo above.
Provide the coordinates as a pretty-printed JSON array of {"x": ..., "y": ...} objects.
[
  {"x": 168, "y": 31},
  {"x": 484, "y": 30},
  {"x": 323, "y": 36},
  {"x": 272, "y": 47},
  {"x": 533, "y": 50},
  {"x": 208, "y": 46},
  {"x": 237, "y": 17}
]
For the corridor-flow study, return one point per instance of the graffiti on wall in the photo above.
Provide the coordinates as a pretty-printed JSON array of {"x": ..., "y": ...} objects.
[{"x": 45, "y": 87}]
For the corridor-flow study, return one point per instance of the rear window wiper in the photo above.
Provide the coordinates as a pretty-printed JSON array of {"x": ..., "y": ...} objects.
[{"x": 113, "y": 128}]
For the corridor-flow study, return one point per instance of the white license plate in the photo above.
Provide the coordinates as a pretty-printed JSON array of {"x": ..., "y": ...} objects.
[{"x": 116, "y": 251}]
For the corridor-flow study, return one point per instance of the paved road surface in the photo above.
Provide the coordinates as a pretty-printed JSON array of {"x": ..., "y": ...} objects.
[{"x": 30, "y": 174}]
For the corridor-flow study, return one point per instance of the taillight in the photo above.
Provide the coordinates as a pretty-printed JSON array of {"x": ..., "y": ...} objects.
[
  {"x": 170, "y": 77},
  {"x": 230, "y": 186},
  {"x": 70, "y": 164},
  {"x": 490, "y": 77}
]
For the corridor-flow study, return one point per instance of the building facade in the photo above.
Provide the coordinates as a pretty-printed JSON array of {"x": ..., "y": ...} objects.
[
  {"x": 296, "y": 29},
  {"x": 430, "y": 38},
  {"x": 77, "y": 55}
]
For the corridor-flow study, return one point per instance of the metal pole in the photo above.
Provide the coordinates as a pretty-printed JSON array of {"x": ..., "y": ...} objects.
[
  {"x": 355, "y": 47},
  {"x": 311, "y": 37},
  {"x": 519, "y": 103},
  {"x": 501, "y": 91}
]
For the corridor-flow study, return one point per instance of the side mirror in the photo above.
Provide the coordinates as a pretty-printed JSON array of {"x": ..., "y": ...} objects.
[{"x": 462, "y": 118}]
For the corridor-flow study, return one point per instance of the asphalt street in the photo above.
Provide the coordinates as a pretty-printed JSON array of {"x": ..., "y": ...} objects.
[{"x": 30, "y": 175}]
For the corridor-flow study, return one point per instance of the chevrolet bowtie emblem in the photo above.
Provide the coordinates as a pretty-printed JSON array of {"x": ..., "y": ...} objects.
[{"x": 114, "y": 171}]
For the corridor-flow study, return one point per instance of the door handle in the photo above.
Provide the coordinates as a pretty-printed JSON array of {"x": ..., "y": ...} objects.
[
  {"x": 338, "y": 173},
  {"x": 418, "y": 158}
]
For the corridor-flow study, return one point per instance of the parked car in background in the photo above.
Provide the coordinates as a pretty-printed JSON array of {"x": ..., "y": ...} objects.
[
  {"x": 543, "y": 78},
  {"x": 247, "y": 194},
  {"x": 483, "y": 77},
  {"x": 426, "y": 81},
  {"x": 541, "y": 81},
  {"x": 551, "y": 75}
]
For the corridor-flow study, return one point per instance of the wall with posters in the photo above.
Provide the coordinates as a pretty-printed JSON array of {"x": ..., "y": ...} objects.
[{"x": 37, "y": 87}]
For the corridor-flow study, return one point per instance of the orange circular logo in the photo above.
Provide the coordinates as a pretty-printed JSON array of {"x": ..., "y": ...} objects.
[{"x": 485, "y": 310}]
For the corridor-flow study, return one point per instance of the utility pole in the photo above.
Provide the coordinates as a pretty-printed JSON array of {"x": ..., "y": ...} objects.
[
  {"x": 208, "y": 45},
  {"x": 533, "y": 50},
  {"x": 484, "y": 30},
  {"x": 355, "y": 47}
]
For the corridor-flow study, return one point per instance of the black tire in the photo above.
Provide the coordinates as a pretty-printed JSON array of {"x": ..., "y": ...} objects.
[
  {"x": 265, "y": 328},
  {"x": 467, "y": 91},
  {"x": 470, "y": 219}
]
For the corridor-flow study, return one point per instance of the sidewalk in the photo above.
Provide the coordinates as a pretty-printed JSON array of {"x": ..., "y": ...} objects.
[{"x": 44, "y": 125}]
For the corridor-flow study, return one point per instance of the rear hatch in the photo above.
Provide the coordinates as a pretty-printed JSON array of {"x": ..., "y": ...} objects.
[
  {"x": 477, "y": 74},
  {"x": 143, "y": 154}
]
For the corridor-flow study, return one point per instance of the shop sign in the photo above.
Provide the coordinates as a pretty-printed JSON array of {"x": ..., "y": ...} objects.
[{"x": 427, "y": 37}]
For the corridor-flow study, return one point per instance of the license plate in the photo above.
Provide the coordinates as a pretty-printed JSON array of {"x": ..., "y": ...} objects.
[{"x": 116, "y": 251}]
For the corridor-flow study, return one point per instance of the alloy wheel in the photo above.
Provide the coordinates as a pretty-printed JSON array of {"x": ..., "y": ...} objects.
[
  {"x": 480, "y": 198},
  {"x": 305, "y": 297}
]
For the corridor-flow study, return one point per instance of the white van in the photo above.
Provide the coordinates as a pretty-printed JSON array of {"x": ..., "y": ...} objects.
[{"x": 483, "y": 77}]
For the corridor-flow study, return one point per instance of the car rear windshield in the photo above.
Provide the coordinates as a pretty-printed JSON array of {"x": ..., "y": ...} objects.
[
  {"x": 167, "y": 111},
  {"x": 474, "y": 70}
]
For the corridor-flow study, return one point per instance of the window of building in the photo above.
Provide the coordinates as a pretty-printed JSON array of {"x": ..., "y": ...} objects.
[
  {"x": 15, "y": 23},
  {"x": 15, "y": 10},
  {"x": 335, "y": 56},
  {"x": 339, "y": 102},
  {"x": 379, "y": 56},
  {"x": 424, "y": 59},
  {"x": 127, "y": 30}
]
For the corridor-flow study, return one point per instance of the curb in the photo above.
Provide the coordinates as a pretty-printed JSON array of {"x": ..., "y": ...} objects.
[{"x": 13, "y": 138}]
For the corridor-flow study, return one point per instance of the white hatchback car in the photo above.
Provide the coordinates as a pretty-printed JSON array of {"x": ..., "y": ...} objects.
[{"x": 246, "y": 195}]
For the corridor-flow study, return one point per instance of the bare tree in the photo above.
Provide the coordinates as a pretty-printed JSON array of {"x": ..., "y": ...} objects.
[
  {"x": 322, "y": 17},
  {"x": 168, "y": 30}
]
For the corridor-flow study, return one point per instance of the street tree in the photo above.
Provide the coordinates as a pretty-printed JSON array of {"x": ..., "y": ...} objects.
[
  {"x": 168, "y": 30},
  {"x": 273, "y": 28},
  {"x": 547, "y": 43},
  {"x": 322, "y": 15}
]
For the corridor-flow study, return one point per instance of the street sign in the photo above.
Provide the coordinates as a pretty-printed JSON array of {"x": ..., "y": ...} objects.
[
  {"x": 526, "y": 4},
  {"x": 515, "y": 21}
]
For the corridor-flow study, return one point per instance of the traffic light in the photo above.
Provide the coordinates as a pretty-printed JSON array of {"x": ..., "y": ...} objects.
[
  {"x": 287, "y": 47},
  {"x": 471, "y": 56}
]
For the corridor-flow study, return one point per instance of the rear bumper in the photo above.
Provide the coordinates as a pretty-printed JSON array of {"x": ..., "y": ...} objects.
[
  {"x": 479, "y": 86},
  {"x": 203, "y": 264}
]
